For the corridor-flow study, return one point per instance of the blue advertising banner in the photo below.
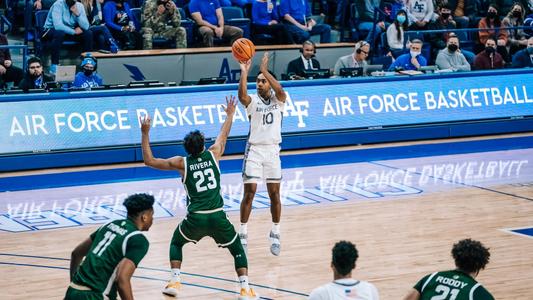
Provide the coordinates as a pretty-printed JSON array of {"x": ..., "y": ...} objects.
[{"x": 110, "y": 120}]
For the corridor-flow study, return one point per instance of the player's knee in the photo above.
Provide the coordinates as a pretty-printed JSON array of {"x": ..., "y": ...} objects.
[{"x": 239, "y": 256}]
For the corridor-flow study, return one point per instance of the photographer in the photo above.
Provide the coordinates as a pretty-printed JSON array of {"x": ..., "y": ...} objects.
[{"x": 161, "y": 18}]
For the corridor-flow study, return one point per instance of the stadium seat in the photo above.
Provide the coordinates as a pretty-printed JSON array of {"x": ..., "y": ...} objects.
[
  {"x": 188, "y": 24},
  {"x": 234, "y": 16},
  {"x": 354, "y": 23}
]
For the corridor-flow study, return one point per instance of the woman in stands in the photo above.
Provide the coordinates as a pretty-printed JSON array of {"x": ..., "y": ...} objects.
[
  {"x": 101, "y": 35},
  {"x": 491, "y": 22},
  {"x": 517, "y": 39},
  {"x": 395, "y": 34}
]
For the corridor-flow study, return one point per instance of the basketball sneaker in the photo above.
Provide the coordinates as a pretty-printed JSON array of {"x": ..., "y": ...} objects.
[
  {"x": 172, "y": 289},
  {"x": 248, "y": 294},
  {"x": 244, "y": 241},
  {"x": 275, "y": 245}
]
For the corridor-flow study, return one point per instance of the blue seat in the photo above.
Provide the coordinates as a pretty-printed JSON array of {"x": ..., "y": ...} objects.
[
  {"x": 188, "y": 24},
  {"x": 234, "y": 16}
]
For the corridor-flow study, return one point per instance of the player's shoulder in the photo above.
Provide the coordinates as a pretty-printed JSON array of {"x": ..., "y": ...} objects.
[{"x": 320, "y": 292}]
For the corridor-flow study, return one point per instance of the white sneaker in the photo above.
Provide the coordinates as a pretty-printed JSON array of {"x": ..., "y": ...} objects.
[
  {"x": 275, "y": 245},
  {"x": 248, "y": 294},
  {"x": 172, "y": 289},
  {"x": 244, "y": 241}
]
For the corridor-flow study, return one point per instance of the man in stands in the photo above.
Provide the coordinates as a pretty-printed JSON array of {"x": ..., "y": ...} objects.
[
  {"x": 412, "y": 60},
  {"x": 344, "y": 287},
  {"x": 162, "y": 19},
  {"x": 208, "y": 16},
  {"x": 8, "y": 72},
  {"x": 524, "y": 57},
  {"x": 297, "y": 67},
  {"x": 489, "y": 59},
  {"x": 296, "y": 15},
  {"x": 355, "y": 60},
  {"x": 450, "y": 58},
  {"x": 66, "y": 19},
  {"x": 35, "y": 77}
]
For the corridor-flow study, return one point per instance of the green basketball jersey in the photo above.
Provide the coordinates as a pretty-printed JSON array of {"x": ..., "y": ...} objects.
[
  {"x": 111, "y": 243},
  {"x": 202, "y": 182},
  {"x": 451, "y": 285}
]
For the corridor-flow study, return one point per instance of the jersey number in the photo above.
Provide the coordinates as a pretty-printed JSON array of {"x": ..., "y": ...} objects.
[
  {"x": 200, "y": 177},
  {"x": 268, "y": 118},
  {"x": 100, "y": 248},
  {"x": 444, "y": 291}
]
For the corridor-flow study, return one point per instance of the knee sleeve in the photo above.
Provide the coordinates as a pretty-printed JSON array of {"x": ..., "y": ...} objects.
[
  {"x": 176, "y": 246},
  {"x": 239, "y": 256}
]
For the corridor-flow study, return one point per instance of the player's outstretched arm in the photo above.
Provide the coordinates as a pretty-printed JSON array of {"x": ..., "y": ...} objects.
[
  {"x": 220, "y": 144},
  {"x": 276, "y": 86},
  {"x": 77, "y": 255},
  {"x": 244, "y": 98},
  {"x": 172, "y": 163},
  {"x": 126, "y": 267}
]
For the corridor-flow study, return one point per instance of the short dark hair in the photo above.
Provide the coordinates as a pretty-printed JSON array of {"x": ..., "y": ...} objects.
[
  {"x": 194, "y": 142},
  {"x": 34, "y": 59},
  {"x": 491, "y": 37},
  {"x": 270, "y": 72},
  {"x": 344, "y": 255},
  {"x": 470, "y": 256},
  {"x": 445, "y": 6},
  {"x": 70, "y": 3},
  {"x": 137, "y": 203}
]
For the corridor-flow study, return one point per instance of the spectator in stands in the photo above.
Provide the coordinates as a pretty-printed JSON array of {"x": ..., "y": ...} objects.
[
  {"x": 463, "y": 11},
  {"x": 470, "y": 258},
  {"x": 122, "y": 24},
  {"x": 35, "y": 78},
  {"x": 451, "y": 58},
  {"x": 490, "y": 22},
  {"x": 357, "y": 59},
  {"x": 517, "y": 38},
  {"x": 8, "y": 72},
  {"x": 265, "y": 21},
  {"x": 395, "y": 34},
  {"x": 101, "y": 35},
  {"x": 296, "y": 16},
  {"x": 161, "y": 18},
  {"x": 469, "y": 55},
  {"x": 412, "y": 60},
  {"x": 297, "y": 67},
  {"x": 88, "y": 78},
  {"x": 239, "y": 3},
  {"x": 366, "y": 11},
  {"x": 420, "y": 13},
  {"x": 489, "y": 59},
  {"x": 443, "y": 22},
  {"x": 208, "y": 16},
  {"x": 524, "y": 57},
  {"x": 507, "y": 5},
  {"x": 344, "y": 256},
  {"x": 66, "y": 19}
]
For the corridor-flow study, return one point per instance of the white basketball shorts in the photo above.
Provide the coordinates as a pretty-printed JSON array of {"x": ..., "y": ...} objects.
[{"x": 261, "y": 162}]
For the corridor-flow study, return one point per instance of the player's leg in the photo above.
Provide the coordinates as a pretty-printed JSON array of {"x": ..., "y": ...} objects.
[
  {"x": 74, "y": 294},
  {"x": 252, "y": 170},
  {"x": 272, "y": 169}
]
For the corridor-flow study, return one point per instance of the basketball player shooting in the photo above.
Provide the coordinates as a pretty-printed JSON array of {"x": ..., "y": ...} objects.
[{"x": 261, "y": 158}]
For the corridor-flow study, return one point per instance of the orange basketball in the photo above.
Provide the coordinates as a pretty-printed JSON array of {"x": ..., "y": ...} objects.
[{"x": 243, "y": 49}]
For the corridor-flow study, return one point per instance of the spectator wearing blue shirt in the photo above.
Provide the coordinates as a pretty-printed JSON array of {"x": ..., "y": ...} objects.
[
  {"x": 122, "y": 24},
  {"x": 66, "y": 18},
  {"x": 296, "y": 16},
  {"x": 208, "y": 16},
  {"x": 265, "y": 21},
  {"x": 412, "y": 60},
  {"x": 524, "y": 57},
  {"x": 88, "y": 78}
]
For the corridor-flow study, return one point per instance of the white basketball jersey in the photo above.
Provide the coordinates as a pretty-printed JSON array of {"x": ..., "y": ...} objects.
[
  {"x": 345, "y": 289},
  {"x": 265, "y": 120}
]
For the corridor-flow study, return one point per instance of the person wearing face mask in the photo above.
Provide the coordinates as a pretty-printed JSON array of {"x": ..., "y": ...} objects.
[
  {"x": 444, "y": 21},
  {"x": 451, "y": 58},
  {"x": 395, "y": 34},
  {"x": 524, "y": 57},
  {"x": 35, "y": 78},
  {"x": 491, "y": 21},
  {"x": 517, "y": 37},
  {"x": 412, "y": 60},
  {"x": 489, "y": 59},
  {"x": 88, "y": 78}
]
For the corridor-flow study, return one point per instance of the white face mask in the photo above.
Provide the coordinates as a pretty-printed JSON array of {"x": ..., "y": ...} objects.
[{"x": 414, "y": 53}]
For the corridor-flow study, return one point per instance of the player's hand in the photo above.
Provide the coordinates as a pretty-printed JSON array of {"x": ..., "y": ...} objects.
[
  {"x": 245, "y": 66},
  {"x": 231, "y": 104},
  {"x": 264, "y": 63},
  {"x": 7, "y": 63},
  {"x": 146, "y": 124}
]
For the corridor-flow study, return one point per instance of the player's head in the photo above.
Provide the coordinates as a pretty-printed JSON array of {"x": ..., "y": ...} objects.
[
  {"x": 344, "y": 256},
  {"x": 140, "y": 208},
  {"x": 263, "y": 86},
  {"x": 470, "y": 256},
  {"x": 194, "y": 143}
]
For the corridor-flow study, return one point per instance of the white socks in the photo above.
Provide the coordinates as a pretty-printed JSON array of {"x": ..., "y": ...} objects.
[
  {"x": 243, "y": 280},
  {"x": 275, "y": 228},
  {"x": 244, "y": 228},
  {"x": 175, "y": 275}
]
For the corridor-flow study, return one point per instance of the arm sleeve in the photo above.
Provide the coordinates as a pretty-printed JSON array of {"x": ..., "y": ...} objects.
[
  {"x": 430, "y": 10},
  {"x": 77, "y": 83},
  {"x": 109, "y": 17},
  {"x": 338, "y": 66},
  {"x": 422, "y": 61},
  {"x": 284, "y": 8},
  {"x": 465, "y": 66},
  {"x": 57, "y": 19},
  {"x": 442, "y": 62},
  {"x": 137, "y": 248},
  {"x": 193, "y": 7},
  {"x": 83, "y": 22}
]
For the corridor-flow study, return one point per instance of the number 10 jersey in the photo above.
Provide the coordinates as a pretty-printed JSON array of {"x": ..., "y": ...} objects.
[{"x": 265, "y": 120}]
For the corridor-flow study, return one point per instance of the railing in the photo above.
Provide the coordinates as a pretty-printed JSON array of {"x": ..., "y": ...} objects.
[{"x": 24, "y": 52}]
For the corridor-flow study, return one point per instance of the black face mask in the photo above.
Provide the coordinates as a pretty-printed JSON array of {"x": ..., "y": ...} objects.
[
  {"x": 517, "y": 14},
  {"x": 445, "y": 16},
  {"x": 490, "y": 50},
  {"x": 453, "y": 47},
  {"x": 491, "y": 15},
  {"x": 88, "y": 72}
]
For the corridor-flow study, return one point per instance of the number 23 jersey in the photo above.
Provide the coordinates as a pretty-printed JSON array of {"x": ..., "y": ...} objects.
[{"x": 265, "y": 120}]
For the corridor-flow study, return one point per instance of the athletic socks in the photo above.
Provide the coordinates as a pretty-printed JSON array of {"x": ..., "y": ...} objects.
[
  {"x": 244, "y": 228},
  {"x": 243, "y": 280},
  {"x": 275, "y": 228},
  {"x": 175, "y": 275}
]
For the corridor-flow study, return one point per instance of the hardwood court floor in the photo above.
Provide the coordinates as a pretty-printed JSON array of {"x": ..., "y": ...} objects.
[{"x": 403, "y": 215}]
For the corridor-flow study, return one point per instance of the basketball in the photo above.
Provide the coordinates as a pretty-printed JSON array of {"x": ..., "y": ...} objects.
[{"x": 243, "y": 49}]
